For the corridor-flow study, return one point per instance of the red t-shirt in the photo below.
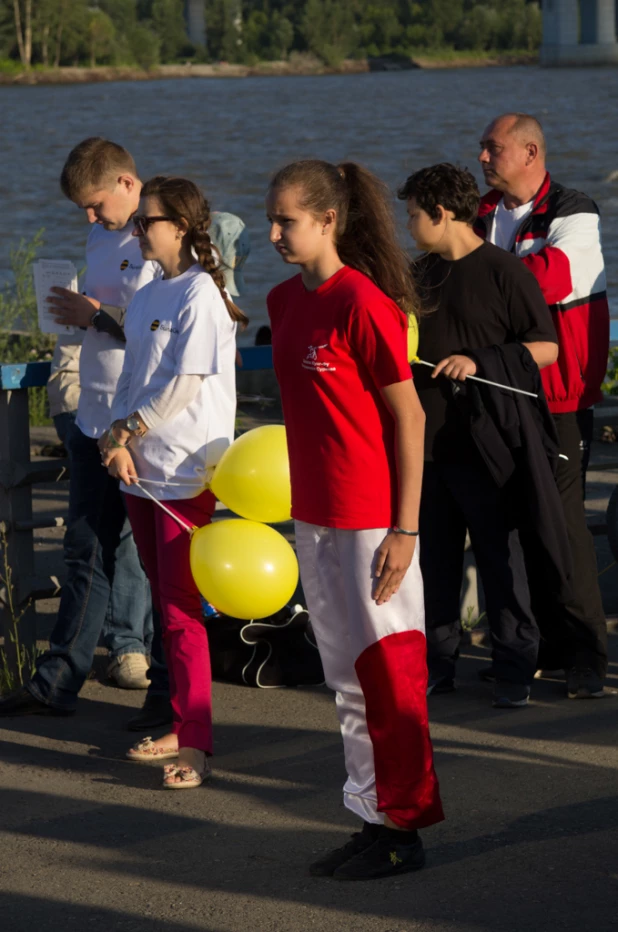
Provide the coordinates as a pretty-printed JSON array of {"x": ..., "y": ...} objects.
[{"x": 333, "y": 349}]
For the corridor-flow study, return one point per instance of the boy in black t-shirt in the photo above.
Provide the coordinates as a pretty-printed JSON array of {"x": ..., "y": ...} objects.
[{"x": 476, "y": 296}]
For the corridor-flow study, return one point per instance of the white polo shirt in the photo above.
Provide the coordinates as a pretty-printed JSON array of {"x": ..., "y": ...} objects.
[
  {"x": 115, "y": 270},
  {"x": 181, "y": 326}
]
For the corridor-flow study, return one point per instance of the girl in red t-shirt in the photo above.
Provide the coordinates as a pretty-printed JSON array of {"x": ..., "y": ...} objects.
[{"x": 355, "y": 440}]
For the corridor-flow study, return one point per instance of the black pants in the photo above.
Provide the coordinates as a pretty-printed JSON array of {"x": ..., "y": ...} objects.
[
  {"x": 456, "y": 497},
  {"x": 585, "y": 423},
  {"x": 575, "y": 634}
]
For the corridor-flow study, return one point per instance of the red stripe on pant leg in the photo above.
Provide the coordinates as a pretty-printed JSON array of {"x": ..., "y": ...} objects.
[{"x": 393, "y": 676}]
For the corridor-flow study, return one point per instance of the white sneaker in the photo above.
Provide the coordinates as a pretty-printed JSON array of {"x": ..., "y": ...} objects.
[{"x": 129, "y": 671}]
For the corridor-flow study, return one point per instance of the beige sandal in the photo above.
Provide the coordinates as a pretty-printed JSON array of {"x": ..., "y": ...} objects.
[
  {"x": 189, "y": 778},
  {"x": 146, "y": 749}
]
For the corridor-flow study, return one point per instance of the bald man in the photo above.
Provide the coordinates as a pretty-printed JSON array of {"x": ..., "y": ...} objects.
[{"x": 555, "y": 231}]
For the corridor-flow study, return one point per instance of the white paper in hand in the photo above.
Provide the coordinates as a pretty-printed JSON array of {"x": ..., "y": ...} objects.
[{"x": 48, "y": 274}]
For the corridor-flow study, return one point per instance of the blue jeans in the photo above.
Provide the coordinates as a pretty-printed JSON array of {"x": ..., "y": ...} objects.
[
  {"x": 106, "y": 590},
  {"x": 157, "y": 674},
  {"x": 64, "y": 424}
]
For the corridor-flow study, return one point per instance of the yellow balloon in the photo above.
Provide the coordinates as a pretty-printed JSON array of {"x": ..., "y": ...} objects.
[
  {"x": 252, "y": 477},
  {"x": 412, "y": 337},
  {"x": 244, "y": 569}
]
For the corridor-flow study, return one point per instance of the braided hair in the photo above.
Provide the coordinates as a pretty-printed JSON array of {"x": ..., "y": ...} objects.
[{"x": 181, "y": 199}]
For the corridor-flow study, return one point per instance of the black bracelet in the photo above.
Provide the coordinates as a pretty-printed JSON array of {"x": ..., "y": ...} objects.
[{"x": 400, "y": 530}]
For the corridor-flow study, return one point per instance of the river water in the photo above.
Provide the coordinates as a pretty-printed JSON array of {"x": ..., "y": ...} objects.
[{"x": 229, "y": 135}]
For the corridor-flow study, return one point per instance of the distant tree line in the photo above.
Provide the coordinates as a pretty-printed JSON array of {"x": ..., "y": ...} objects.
[
  {"x": 92, "y": 32},
  {"x": 337, "y": 29},
  {"x": 146, "y": 32}
]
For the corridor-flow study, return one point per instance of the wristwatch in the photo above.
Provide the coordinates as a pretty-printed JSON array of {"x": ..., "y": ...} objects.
[
  {"x": 94, "y": 319},
  {"x": 135, "y": 425}
]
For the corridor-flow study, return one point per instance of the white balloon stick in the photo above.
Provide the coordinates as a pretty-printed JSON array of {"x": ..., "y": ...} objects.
[
  {"x": 476, "y": 378},
  {"x": 184, "y": 526}
]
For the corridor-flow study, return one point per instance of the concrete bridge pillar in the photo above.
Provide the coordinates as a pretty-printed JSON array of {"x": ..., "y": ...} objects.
[
  {"x": 579, "y": 32},
  {"x": 606, "y": 22},
  {"x": 195, "y": 18},
  {"x": 560, "y": 23}
]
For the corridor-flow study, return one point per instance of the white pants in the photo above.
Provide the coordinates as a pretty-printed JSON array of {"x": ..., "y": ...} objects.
[{"x": 374, "y": 657}]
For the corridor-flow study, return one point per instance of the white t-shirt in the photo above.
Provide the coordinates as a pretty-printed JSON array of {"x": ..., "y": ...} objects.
[
  {"x": 180, "y": 326},
  {"x": 115, "y": 270},
  {"x": 507, "y": 222}
]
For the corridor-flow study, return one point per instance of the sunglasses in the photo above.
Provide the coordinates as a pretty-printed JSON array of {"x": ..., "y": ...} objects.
[{"x": 143, "y": 224}]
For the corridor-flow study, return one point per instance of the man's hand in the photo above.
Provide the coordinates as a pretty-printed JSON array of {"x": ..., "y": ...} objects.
[
  {"x": 120, "y": 465},
  {"x": 71, "y": 308},
  {"x": 455, "y": 367},
  {"x": 394, "y": 556}
]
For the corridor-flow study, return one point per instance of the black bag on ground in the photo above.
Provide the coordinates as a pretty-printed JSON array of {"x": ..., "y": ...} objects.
[{"x": 272, "y": 652}]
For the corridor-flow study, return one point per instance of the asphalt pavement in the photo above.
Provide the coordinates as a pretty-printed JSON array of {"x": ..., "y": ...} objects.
[{"x": 90, "y": 840}]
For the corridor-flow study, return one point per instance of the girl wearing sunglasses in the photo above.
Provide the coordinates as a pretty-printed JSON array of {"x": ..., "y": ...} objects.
[{"x": 173, "y": 418}]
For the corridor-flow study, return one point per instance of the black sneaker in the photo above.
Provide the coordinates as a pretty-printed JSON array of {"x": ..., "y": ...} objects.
[
  {"x": 510, "y": 695},
  {"x": 584, "y": 684},
  {"x": 156, "y": 711},
  {"x": 439, "y": 685},
  {"x": 486, "y": 674},
  {"x": 386, "y": 857},
  {"x": 326, "y": 866}
]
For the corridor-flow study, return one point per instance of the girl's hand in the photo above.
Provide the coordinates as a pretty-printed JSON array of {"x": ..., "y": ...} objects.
[
  {"x": 120, "y": 465},
  {"x": 109, "y": 441},
  {"x": 455, "y": 367},
  {"x": 393, "y": 557}
]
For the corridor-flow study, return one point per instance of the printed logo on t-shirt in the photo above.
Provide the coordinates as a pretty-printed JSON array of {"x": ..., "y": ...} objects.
[
  {"x": 164, "y": 328},
  {"x": 311, "y": 360},
  {"x": 125, "y": 264}
]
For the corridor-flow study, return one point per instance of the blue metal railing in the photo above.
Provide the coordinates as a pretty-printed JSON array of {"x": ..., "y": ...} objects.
[{"x": 36, "y": 374}]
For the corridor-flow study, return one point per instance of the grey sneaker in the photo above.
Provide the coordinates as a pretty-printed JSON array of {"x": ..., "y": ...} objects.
[
  {"x": 510, "y": 695},
  {"x": 584, "y": 684},
  {"x": 129, "y": 671}
]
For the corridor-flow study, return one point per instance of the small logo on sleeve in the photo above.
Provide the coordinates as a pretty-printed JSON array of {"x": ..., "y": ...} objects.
[
  {"x": 313, "y": 362},
  {"x": 154, "y": 325},
  {"x": 124, "y": 265}
]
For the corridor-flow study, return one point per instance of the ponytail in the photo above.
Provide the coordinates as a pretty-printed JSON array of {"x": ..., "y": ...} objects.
[
  {"x": 181, "y": 199},
  {"x": 366, "y": 235}
]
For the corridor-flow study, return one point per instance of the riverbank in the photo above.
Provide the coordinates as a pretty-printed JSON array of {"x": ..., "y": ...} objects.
[{"x": 298, "y": 65}]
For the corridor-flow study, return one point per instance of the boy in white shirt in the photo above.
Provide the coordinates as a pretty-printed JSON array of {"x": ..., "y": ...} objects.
[{"x": 106, "y": 582}]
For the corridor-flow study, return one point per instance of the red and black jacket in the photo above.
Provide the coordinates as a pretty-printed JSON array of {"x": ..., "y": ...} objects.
[{"x": 560, "y": 242}]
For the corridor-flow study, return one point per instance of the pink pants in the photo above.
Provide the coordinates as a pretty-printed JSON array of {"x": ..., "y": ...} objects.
[{"x": 164, "y": 548}]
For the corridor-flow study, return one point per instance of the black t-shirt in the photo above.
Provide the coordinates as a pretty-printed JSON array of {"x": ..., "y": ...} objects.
[{"x": 487, "y": 298}]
